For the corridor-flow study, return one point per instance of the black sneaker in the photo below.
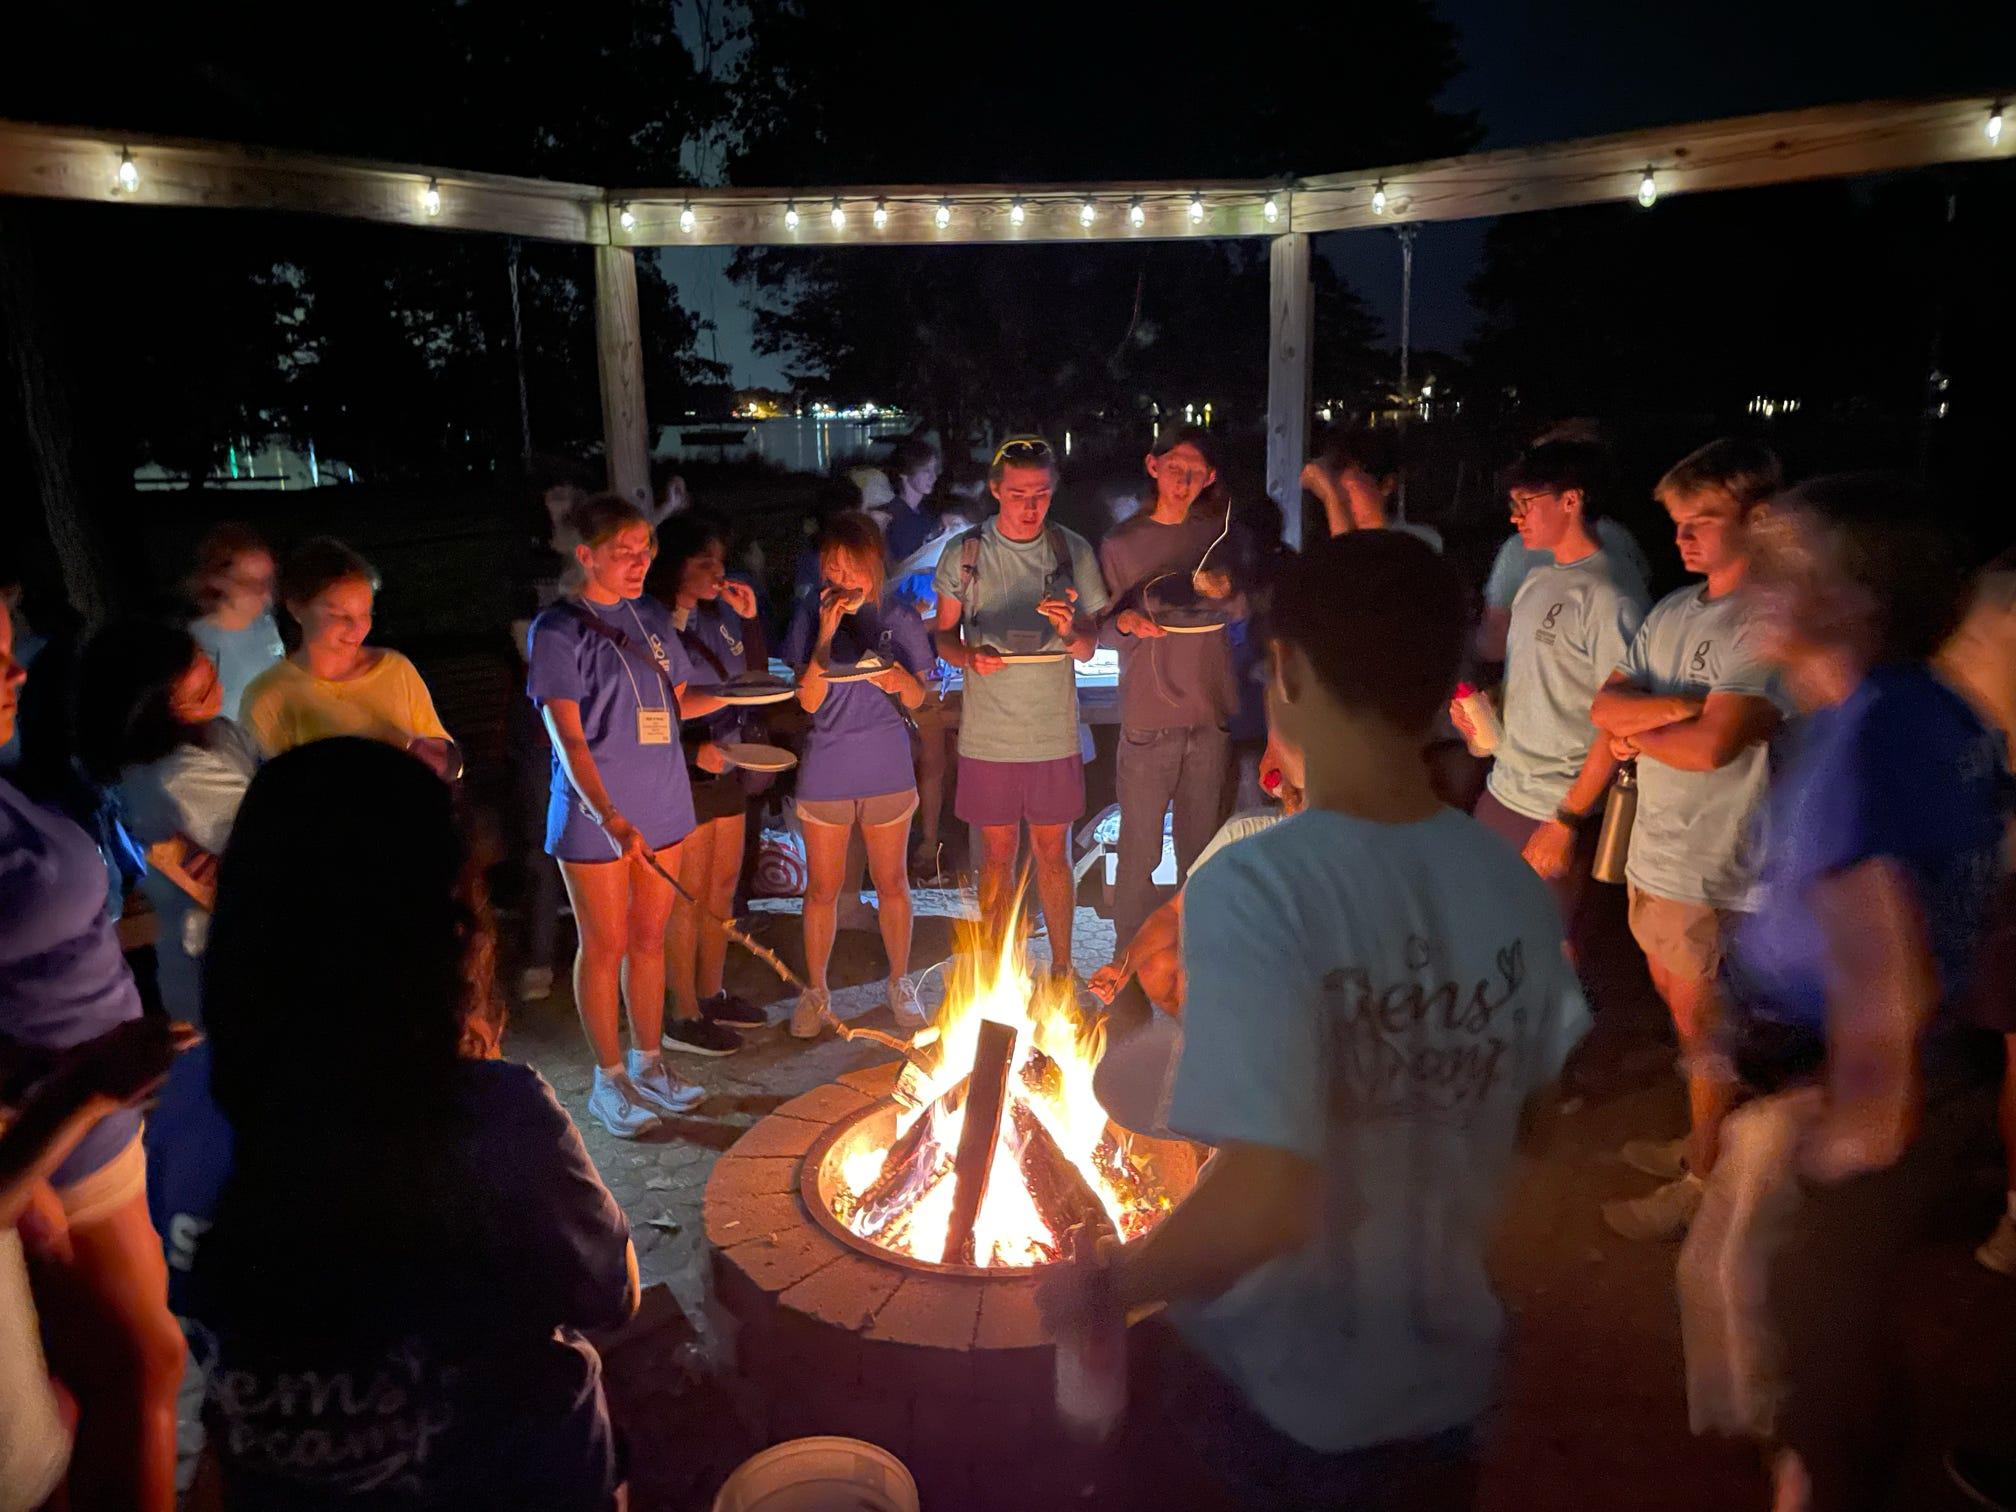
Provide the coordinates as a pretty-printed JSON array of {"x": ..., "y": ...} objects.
[
  {"x": 700, "y": 1037},
  {"x": 734, "y": 1010},
  {"x": 1990, "y": 1479}
]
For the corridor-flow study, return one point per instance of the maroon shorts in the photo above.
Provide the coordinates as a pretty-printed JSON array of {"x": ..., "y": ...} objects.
[
  {"x": 1516, "y": 829},
  {"x": 1007, "y": 792}
]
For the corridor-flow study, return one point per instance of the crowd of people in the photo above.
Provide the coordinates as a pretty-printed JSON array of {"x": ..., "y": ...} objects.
[{"x": 381, "y": 1241}]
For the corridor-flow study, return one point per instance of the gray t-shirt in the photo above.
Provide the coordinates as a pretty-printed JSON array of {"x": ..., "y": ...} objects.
[
  {"x": 1571, "y": 626},
  {"x": 240, "y": 655},
  {"x": 1513, "y": 562},
  {"x": 1693, "y": 839},
  {"x": 1027, "y": 712},
  {"x": 1167, "y": 682}
]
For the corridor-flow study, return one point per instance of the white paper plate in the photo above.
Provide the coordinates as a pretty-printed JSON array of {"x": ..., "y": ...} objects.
[
  {"x": 746, "y": 696},
  {"x": 859, "y": 672},
  {"x": 1031, "y": 658},
  {"x": 1192, "y": 629},
  {"x": 753, "y": 757}
]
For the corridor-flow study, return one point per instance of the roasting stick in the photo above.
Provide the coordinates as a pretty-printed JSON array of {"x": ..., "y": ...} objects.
[{"x": 909, "y": 1049}]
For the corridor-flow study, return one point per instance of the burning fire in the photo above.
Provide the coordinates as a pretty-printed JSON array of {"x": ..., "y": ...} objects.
[{"x": 903, "y": 1196}]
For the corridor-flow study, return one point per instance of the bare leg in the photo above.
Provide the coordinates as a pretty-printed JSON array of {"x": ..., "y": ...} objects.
[
  {"x": 722, "y": 869},
  {"x": 644, "y": 965},
  {"x": 682, "y": 940},
  {"x": 1694, "y": 1006},
  {"x": 825, "y": 856},
  {"x": 600, "y": 893},
  {"x": 888, "y": 848},
  {"x": 997, "y": 862},
  {"x": 1050, "y": 845}
]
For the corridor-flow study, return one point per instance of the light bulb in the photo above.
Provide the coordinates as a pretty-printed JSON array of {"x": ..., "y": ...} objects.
[
  {"x": 1994, "y": 126},
  {"x": 1379, "y": 198},
  {"x": 791, "y": 216},
  {"x": 430, "y": 198},
  {"x": 1271, "y": 209},
  {"x": 687, "y": 220},
  {"x": 881, "y": 214},
  {"x": 1648, "y": 190},
  {"x": 838, "y": 215},
  {"x": 129, "y": 175},
  {"x": 1136, "y": 216},
  {"x": 626, "y": 218},
  {"x": 943, "y": 217},
  {"x": 1087, "y": 212},
  {"x": 1196, "y": 209},
  {"x": 1016, "y": 214}
]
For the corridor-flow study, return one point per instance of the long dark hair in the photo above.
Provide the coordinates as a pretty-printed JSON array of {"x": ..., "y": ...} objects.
[
  {"x": 350, "y": 968},
  {"x": 124, "y": 679},
  {"x": 680, "y": 539}
]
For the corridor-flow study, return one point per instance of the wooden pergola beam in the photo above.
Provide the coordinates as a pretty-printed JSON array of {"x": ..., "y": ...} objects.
[
  {"x": 1745, "y": 152},
  {"x": 53, "y": 162}
]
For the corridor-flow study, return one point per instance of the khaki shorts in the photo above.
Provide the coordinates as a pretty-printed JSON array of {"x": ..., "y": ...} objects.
[
  {"x": 1682, "y": 939},
  {"x": 869, "y": 813}
]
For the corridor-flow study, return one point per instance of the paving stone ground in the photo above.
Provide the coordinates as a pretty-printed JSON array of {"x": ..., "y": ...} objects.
[{"x": 1593, "y": 1413}]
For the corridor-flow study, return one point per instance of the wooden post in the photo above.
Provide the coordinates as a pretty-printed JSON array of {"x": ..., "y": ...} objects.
[
  {"x": 1288, "y": 339},
  {"x": 619, "y": 358},
  {"x": 985, "y": 1098}
]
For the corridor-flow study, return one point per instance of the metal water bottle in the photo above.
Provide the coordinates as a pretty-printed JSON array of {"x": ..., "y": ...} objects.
[
  {"x": 1613, "y": 841},
  {"x": 1091, "y": 1369}
]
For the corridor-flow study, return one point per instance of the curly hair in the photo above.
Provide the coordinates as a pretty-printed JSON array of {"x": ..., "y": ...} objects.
[{"x": 125, "y": 679}]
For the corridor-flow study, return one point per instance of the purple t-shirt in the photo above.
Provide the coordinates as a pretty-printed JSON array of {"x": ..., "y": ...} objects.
[
  {"x": 567, "y": 658},
  {"x": 716, "y": 641},
  {"x": 63, "y": 979},
  {"x": 860, "y": 743}
]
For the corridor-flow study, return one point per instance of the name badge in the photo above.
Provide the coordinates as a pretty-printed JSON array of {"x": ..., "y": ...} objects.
[{"x": 654, "y": 727}]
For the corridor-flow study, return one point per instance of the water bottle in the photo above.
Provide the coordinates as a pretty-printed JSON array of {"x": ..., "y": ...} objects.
[
  {"x": 1476, "y": 706},
  {"x": 1613, "y": 841}
]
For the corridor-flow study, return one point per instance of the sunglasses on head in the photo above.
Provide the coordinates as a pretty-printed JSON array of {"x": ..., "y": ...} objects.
[{"x": 1023, "y": 449}]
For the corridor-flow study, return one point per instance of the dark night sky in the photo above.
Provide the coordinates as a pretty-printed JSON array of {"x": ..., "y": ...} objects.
[{"x": 1543, "y": 70}]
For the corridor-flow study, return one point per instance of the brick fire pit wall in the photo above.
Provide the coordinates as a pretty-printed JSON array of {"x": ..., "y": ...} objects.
[{"x": 951, "y": 1373}]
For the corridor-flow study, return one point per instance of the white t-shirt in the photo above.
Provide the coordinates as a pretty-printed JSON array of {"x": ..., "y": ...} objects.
[
  {"x": 1242, "y": 824},
  {"x": 1380, "y": 1000}
]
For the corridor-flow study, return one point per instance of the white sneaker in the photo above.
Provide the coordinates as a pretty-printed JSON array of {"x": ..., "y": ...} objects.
[
  {"x": 910, "y": 1014},
  {"x": 1999, "y": 1253},
  {"x": 535, "y": 984},
  {"x": 808, "y": 1014},
  {"x": 1664, "y": 1158},
  {"x": 658, "y": 1086},
  {"x": 1663, "y": 1213},
  {"x": 615, "y": 1102}
]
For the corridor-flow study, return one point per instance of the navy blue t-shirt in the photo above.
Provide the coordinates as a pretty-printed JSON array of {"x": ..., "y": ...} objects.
[
  {"x": 516, "y": 1419},
  {"x": 1902, "y": 769}
]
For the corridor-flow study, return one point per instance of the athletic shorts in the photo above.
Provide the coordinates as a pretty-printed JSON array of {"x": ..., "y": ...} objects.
[
  {"x": 1008, "y": 792},
  {"x": 1682, "y": 939},
  {"x": 720, "y": 796},
  {"x": 869, "y": 813}
]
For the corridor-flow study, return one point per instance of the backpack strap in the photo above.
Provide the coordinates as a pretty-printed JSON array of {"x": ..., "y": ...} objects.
[{"x": 592, "y": 621}]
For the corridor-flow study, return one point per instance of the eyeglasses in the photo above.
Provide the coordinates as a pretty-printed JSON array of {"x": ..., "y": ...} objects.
[
  {"x": 1023, "y": 449},
  {"x": 1523, "y": 502}
]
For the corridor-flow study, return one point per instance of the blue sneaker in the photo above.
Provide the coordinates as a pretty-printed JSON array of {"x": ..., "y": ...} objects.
[
  {"x": 659, "y": 1087},
  {"x": 620, "y": 1107}
]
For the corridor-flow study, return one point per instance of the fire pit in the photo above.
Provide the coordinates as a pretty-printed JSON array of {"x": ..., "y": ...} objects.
[{"x": 883, "y": 1291}]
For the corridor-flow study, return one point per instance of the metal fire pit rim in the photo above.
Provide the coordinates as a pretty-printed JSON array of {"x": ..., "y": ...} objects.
[{"x": 814, "y": 1162}]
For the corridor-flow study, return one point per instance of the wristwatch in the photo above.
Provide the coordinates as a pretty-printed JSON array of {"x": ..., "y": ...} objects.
[{"x": 1570, "y": 818}]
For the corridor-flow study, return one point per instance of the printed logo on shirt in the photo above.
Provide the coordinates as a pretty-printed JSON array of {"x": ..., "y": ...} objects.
[
  {"x": 1700, "y": 661},
  {"x": 658, "y": 653},
  {"x": 1418, "y": 1047},
  {"x": 1545, "y": 634}
]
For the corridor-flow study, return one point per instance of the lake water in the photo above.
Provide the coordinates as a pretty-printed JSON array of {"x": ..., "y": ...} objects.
[{"x": 805, "y": 443}]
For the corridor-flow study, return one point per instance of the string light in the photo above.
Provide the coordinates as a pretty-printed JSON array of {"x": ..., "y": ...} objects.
[
  {"x": 1087, "y": 212},
  {"x": 1379, "y": 198},
  {"x": 1136, "y": 216},
  {"x": 839, "y": 215},
  {"x": 1271, "y": 209},
  {"x": 626, "y": 217},
  {"x": 430, "y": 198},
  {"x": 791, "y": 215},
  {"x": 1197, "y": 209},
  {"x": 129, "y": 174},
  {"x": 1648, "y": 190},
  {"x": 1016, "y": 214},
  {"x": 1994, "y": 126},
  {"x": 881, "y": 214},
  {"x": 687, "y": 220},
  {"x": 943, "y": 217}
]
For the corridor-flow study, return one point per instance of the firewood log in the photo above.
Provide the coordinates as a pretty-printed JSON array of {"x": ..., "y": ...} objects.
[{"x": 1063, "y": 1197}]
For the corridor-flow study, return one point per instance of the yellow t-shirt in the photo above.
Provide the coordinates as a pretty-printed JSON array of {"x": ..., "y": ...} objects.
[{"x": 286, "y": 706}]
